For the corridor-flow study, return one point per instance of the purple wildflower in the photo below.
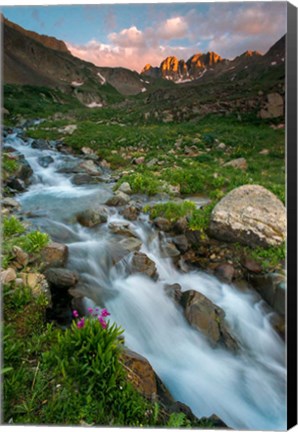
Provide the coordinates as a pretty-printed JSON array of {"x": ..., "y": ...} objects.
[
  {"x": 75, "y": 314},
  {"x": 90, "y": 310},
  {"x": 105, "y": 313},
  {"x": 81, "y": 323},
  {"x": 102, "y": 322}
]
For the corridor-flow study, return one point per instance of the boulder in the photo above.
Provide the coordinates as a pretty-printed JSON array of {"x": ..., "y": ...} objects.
[
  {"x": 16, "y": 184},
  {"x": 81, "y": 179},
  {"x": 92, "y": 217},
  {"x": 239, "y": 163},
  {"x": 208, "y": 318},
  {"x": 251, "y": 265},
  {"x": 119, "y": 199},
  {"x": 8, "y": 275},
  {"x": 54, "y": 255},
  {"x": 141, "y": 263},
  {"x": 274, "y": 106},
  {"x": 131, "y": 244},
  {"x": 250, "y": 215},
  {"x": 45, "y": 161},
  {"x": 24, "y": 172},
  {"x": 37, "y": 284},
  {"x": 181, "y": 225},
  {"x": 125, "y": 188},
  {"x": 41, "y": 144},
  {"x": 139, "y": 373},
  {"x": 61, "y": 277},
  {"x": 225, "y": 272},
  {"x": 169, "y": 250}
]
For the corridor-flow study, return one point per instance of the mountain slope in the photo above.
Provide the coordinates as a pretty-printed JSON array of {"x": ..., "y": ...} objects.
[{"x": 29, "y": 58}]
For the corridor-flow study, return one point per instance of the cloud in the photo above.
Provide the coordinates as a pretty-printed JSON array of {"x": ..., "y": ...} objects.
[{"x": 227, "y": 28}]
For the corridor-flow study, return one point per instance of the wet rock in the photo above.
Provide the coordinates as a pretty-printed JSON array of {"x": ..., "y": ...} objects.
[
  {"x": 272, "y": 289},
  {"x": 81, "y": 179},
  {"x": 122, "y": 228},
  {"x": 16, "y": 184},
  {"x": 181, "y": 243},
  {"x": 139, "y": 373},
  {"x": 61, "y": 277},
  {"x": 194, "y": 237},
  {"x": 10, "y": 202},
  {"x": 141, "y": 263},
  {"x": 174, "y": 291},
  {"x": 40, "y": 144},
  {"x": 92, "y": 217},
  {"x": 125, "y": 188},
  {"x": 239, "y": 163},
  {"x": 8, "y": 275},
  {"x": 118, "y": 200},
  {"x": 131, "y": 213},
  {"x": 45, "y": 161},
  {"x": 90, "y": 168},
  {"x": 54, "y": 255},
  {"x": 250, "y": 215},
  {"x": 225, "y": 272},
  {"x": 163, "y": 224},
  {"x": 169, "y": 250},
  {"x": 24, "y": 172},
  {"x": 131, "y": 244},
  {"x": 208, "y": 318}
]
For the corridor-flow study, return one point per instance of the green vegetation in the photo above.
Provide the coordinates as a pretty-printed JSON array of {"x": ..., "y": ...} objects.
[
  {"x": 270, "y": 258},
  {"x": 14, "y": 235}
]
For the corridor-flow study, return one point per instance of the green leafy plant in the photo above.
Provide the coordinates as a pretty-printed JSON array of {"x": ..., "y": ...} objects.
[
  {"x": 12, "y": 226},
  {"x": 177, "y": 420},
  {"x": 35, "y": 241}
]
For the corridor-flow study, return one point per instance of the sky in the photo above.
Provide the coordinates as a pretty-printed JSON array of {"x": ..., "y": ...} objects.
[{"x": 133, "y": 35}]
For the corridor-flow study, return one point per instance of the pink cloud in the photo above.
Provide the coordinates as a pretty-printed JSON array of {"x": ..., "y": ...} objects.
[{"x": 173, "y": 28}]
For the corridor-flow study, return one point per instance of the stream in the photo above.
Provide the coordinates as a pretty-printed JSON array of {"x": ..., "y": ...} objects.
[{"x": 246, "y": 390}]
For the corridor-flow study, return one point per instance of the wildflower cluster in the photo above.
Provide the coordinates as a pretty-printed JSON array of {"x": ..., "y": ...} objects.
[{"x": 100, "y": 315}]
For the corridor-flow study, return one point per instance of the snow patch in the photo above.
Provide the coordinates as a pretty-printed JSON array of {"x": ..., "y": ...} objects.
[
  {"x": 143, "y": 90},
  {"x": 147, "y": 82},
  {"x": 94, "y": 105},
  {"x": 245, "y": 67},
  {"x": 103, "y": 80},
  {"x": 77, "y": 83},
  {"x": 273, "y": 63},
  {"x": 141, "y": 80},
  {"x": 283, "y": 59},
  {"x": 181, "y": 81}
]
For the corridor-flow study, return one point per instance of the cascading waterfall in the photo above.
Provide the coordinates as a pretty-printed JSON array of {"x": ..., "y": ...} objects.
[{"x": 246, "y": 390}]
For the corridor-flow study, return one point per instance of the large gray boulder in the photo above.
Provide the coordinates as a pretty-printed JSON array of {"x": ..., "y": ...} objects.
[{"x": 251, "y": 215}]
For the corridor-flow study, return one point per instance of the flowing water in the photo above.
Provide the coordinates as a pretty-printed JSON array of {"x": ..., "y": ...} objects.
[{"x": 246, "y": 390}]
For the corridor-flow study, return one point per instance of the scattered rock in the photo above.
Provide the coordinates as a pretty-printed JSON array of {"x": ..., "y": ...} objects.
[
  {"x": 87, "y": 151},
  {"x": 45, "y": 161},
  {"x": 90, "y": 167},
  {"x": 251, "y": 215},
  {"x": 131, "y": 244},
  {"x": 163, "y": 224},
  {"x": 141, "y": 263},
  {"x": 54, "y": 255},
  {"x": 61, "y": 277},
  {"x": 118, "y": 200},
  {"x": 8, "y": 275},
  {"x": 81, "y": 179},
  {"x": 140, "y": 373},
  {"x": 239, "y": 163},
  {"x": 264, "y": 152},
  {"x": 139, "y": 161},
  {"x": 125, "y": 188},
  {"x": 181, "y": 242},
  {"x": 251, "y": 265},
  {"x": 208, "y": 318},
  {"x": 21, "y": 257},
  {"x": 225, "y": 272},
  {"x": 131, "y": 213},
  {"x": 221, "y": 146},
  {"x": 181, "y": 225},
  {"x": 122, "y": 228},
  {"x": 152, "y": 163},
  {"x": 92, "y": 217},
  {"x": 69, "y": 129}
]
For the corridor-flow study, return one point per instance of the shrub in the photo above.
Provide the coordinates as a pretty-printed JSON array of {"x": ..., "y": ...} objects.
[{"x": 12, "y": 226}]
